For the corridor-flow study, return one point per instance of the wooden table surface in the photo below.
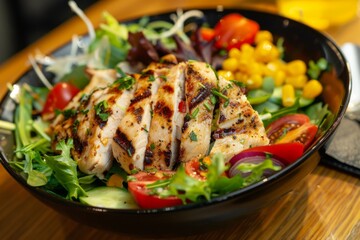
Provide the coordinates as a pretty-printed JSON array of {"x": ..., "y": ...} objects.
[{"x": 325, "y": 205}]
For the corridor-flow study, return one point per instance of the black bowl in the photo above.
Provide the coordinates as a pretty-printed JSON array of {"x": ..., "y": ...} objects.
[{"x": 301, "y": 42}]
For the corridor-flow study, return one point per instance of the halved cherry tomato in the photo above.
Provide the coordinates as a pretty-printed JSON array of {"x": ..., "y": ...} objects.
[
  {"x": 59, "y": 97},
  {"x": 197, "y": 169},
  {"x": 182, "y": 107},
  {"x": 233, "y": 30},
  {"x": 143, "y": 196},
  {"x": 292, "y": 128},
  {"x": 287, "y": 152},
  {"x": 207, "y": 33}
]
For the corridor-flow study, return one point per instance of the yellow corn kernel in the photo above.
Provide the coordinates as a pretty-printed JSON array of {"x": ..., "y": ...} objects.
[
  {"x": 234, "y": 53},
  {"x": 254, "y": 81},
  {"x": 288, "y": 95},
  {"x": 265, "y": 52},
  {"x": 243, "y": 65},
  {"x": 115, "y": 181},
  {"x": 296, "y": 67},
  {"x": 247, "y": 50},
  {"x": 279, "y": 78},
  {"x": 228, "y": 75},
  {"x": 241, "y": 77},
  {"x": 312, "y": 89},
  {"x": 263, "y": 36},
  {"x": 230, "y": 64},
  {"x": 298, "y": 81},
  {"x": 255, "y": 68}
]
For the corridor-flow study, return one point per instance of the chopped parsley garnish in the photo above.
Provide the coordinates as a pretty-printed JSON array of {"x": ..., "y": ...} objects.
[
  {"x": 207, "y": 106},
  {"x": 101, "y": 110},
  {"x": 193, "y": 136},
  {"x": 68, "y": 113},
  {"x": 151, "y": 78},
  {"x": 120, "y": 72},
  {"x": 226, "y": 103},
  {"x": 195, "y": 113},
  {"x": 163, "y": 77},
  {"x": 84, "y": 98},
  {"x": 152, "y": 146},
  {"x": 219, "y": 94},
  {"x": 213, "y": 99},
  {"x": 125, "y": 82}
]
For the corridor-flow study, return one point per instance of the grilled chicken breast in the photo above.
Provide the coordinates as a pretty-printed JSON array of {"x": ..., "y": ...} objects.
[
  {"x": 163, "y": 145},
  {"x": 131, "y": 137},
  {"x": 200, "y": 80},
  {"x": 99, "y": 79},
  {"x": 92, "y": 125},
  {"x": 238, "y": 125}
]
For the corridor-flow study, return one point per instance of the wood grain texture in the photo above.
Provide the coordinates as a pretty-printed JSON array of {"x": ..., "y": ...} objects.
[{"x": 325, "y": 205}]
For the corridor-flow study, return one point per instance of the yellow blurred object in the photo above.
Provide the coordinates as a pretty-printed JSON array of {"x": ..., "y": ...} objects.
[
  {"x": 230, "y": 64},
  {"x": 288, "y": 95},
  {"x": 228, "y": 75},
  {"x": 312, "y": 89},
  {"x": 254, "y": 81},
  {"x": 262, "y": 36},
  {"x": 297, "y": 81},
  {"x": 319, "y": 14},
  {"x": 115, "y": 181}
]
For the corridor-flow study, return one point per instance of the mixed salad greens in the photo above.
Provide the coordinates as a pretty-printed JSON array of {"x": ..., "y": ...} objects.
[{"x": 284, "y": 94}]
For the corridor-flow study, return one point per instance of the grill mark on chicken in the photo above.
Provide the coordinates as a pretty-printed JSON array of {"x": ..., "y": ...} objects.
[
  {"x": 199, "y": 98},
  {"x": 196, "y": 130},
  {"x": 168, "y": 89},
  {"x": 163, "y": 110},
  {"x": 148, "y": 157},
  {"x": 141, "y": 96},
  {"x": 239, "y": 125},
  {"x": 122, "y": 140}
]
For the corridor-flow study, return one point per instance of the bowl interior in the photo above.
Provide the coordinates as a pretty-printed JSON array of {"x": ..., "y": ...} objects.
[{"x": 300, "y": 42}]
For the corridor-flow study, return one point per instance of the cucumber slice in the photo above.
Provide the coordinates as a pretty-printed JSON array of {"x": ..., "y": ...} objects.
[
  {"x": 109, "y": 197},
  {"x": 266, "y": 107},
  {"x": 258, "y": 96},
  {"x": 276, "y": 96}
]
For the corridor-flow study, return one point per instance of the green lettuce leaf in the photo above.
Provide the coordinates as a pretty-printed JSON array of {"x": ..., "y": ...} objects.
[{"x": 65, "y": 169}]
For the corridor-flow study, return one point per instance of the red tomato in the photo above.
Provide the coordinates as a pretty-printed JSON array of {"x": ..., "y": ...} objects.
[
  {"x": 182, "y": 107},
  {"x": 292, "y": 128},
  {"x": 143, "y": 196},
  {"x": 207, "y": 33},
  {"x": 59, "y": 97},
  {"x": 288, "y": 152},
  {"x": 194, "y": 169},
  {"x": 233, "y": 30}
]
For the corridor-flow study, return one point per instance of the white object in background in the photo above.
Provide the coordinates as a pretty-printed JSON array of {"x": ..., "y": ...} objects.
[{"x": 352, "y": 55}]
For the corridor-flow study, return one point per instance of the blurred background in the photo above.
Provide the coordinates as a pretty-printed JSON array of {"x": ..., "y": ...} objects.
[{"x": 24, "y": 21}]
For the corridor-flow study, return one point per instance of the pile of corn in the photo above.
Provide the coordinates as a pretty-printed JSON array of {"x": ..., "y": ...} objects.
[{"x": 250, "y": 64}]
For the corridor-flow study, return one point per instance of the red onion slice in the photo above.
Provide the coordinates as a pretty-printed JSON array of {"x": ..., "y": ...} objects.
[{"x": 255, "y": 158}]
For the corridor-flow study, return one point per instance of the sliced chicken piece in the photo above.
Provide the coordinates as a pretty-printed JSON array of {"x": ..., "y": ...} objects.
[
  {"x": 99, "y": 79},
  {"x": 238, "y": 125},
  {"x": 131, "y": 137},
  {"x": 162, "y": 148},
  {"x": 92, "y": 125},
  {"x": 200, "y": 79}
]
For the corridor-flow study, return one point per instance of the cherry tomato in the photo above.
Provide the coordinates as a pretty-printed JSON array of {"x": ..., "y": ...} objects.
[
  {"x": 207, "y": 33},
  {"x": 292, "y": 128},
  {"x": 287, "y": 152},
  {"x": 182, "y": 107},
  {"x": 197, "y": 169},
  {"x": 143, "y": 196},
  {"x": 59, "y": 97},
  {"x": 233, "y": 30}
]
